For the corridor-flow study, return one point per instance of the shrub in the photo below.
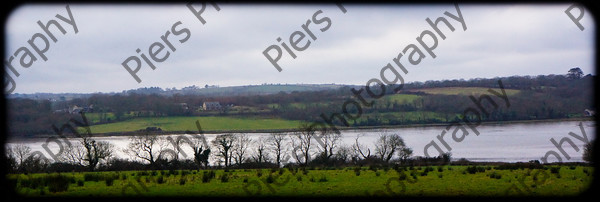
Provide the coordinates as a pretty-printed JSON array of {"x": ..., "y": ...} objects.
[
  {"x": 225, "y": 177},
  {"x": 402, "y": 176},
  {"x": 246, "y": 180},
  {"x": 377, "y": 174},
  {"x": 495, "y": 175},
  {"x": 57, "y": 183},
  {"x": 92, "y": 177},
  {"x": 440, "y": 169},
  {"x": 182, "y": 180},
  {"x": 323, "y": 179},
  {"x": 572, "y": 167},
  {"x": 357, "y": 171},
  {"x": 270, "y": 179},
  {"x": 258, "y": 172},
  {"x": 475, "y": 169},
  {"x": 554, "y": 170},
  {"x": 109, "y": 181},
  {"x": 299, "y": 178},
  {"x": 160, "y": 179},
  {"x": 80, "y": 183},
  {"x": 207, "y": 176}
]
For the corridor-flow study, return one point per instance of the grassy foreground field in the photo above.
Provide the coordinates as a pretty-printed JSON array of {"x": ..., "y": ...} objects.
[
  {"x": 211, "y": 123},
  {"x": 418, "y": 181}
]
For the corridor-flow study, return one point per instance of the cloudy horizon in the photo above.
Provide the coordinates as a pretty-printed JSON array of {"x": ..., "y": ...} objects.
[{"x": 500, "y": 40}]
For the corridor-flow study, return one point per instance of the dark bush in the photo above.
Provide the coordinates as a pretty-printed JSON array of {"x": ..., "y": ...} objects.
[
  {"x": 109, "y": 181},
  {"x": 270, "y": 179},
  {"x": 495, "y": 175},
  {"x": 225, "y": 177},
  {"x": 207, "y": 176},
  {"x": 160, "y": 179},
  {"x": 93, "y": 177},
  {"x": 57, "y": 183},
  {"x": 323, "y": 179},
  {"x": 554, "y": 170},
  {"x": 475, "y": 169}
]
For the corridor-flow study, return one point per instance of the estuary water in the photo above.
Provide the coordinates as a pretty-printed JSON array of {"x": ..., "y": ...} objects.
[{"x": 514, "y": 142}]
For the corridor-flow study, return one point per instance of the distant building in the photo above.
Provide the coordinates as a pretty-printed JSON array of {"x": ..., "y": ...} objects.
[
  {"x": 76, "y": 109},
  {"x": 183, "y": 105},
  {"x": 588, "y": 112},
  {"x": 211, "y": 106}
]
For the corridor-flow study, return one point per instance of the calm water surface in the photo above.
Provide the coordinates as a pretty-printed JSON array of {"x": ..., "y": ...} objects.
[{"x": 498, "y": 142}]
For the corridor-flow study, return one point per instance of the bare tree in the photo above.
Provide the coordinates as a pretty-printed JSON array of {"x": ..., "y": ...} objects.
[
  {"x": 240, "y": 148},
  {"x": 359, "y": 149},
  {"x": 74, "y": 154},
  {"x": 95, "y": 151},
  {"x": 328, "y": 141},
  {"x": 261, "y": 154},
  {"x": 404, "y": 153},
  {"x": 89, "y": 153},
  {"x": 276, "y": 144},
  {"x": 303, "y": 142},
  {"x": 343, "y": 153},
  {"x": 588, "y": 152},
  {"x": 224, "y": 144},
  {"x": 387, "y": 145},
  {"x": 201, "y": 152},
  {"x": 11, "y": 160},
  {"x": 21, "y": 152},
  {"x": 147, "y": 147}
]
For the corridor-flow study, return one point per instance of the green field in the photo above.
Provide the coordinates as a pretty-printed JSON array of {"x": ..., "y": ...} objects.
[
  {"x": 464, "y": 91},
  {"x": 404, "y": 116},
  {"x": 211, "y": 123},
  {"x": 439, "y": 181},
  {"x": 401, "y": 98}
]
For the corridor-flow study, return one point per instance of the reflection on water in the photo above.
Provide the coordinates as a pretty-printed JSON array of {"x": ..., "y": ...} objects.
[{"x": 497, "y": 142}]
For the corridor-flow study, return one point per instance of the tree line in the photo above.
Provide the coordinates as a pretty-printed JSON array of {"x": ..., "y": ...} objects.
[
  {"x": 149, "y": 150},
  {"x": 540, "y": 97}
]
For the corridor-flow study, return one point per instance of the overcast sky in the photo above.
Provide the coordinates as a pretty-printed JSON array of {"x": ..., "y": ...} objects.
[{"x": 500, "y": 40}]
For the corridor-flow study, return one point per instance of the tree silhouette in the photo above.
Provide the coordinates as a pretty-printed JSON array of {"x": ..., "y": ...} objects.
[{"x": 575, "y": 73}]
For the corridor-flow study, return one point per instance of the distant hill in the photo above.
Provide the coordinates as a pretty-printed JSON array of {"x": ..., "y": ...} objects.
[
  {"x": 250, "y": 89},
  {"x": 191, "y": 90}
]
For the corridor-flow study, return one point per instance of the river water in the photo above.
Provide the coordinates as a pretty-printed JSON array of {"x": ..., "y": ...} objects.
[{"x": 496, "y": 142}]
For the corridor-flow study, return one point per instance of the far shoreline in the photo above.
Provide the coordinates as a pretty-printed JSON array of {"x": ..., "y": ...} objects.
[{"x": 130, "y": 133}]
